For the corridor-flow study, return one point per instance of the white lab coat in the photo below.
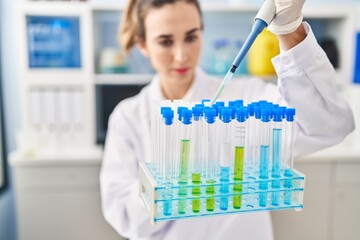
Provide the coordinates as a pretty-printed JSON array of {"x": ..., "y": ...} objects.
[{"x": 306, "y": 82}]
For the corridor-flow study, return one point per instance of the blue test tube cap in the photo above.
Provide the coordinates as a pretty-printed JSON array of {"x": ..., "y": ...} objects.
[
  {"x": 210, "y": 115},
  {"x": 168, "y": 116},
  {"x": 197, "y": 112},
  {"x": 233, "y": 112},
  {"x": 277, "y": 112},
  {"x": 251, "y": 109},
  {"x": 186, "y": 116},
  {"x": 206, "y": 102},
  {"x": 225, "y": 115},
  {"x": 263, "y": 102},
  {"x": 265, "y": 114},
  {"x": 217, "y": 107},
  {"x": 179, "y": 112},
  {"x": 257, "y": 112},
  {"x": 200, "y": 105},
  {"x": 241, "y": 114},
  {"x": 290, "y": 113},
  {"x": 231, "y": 103},
  {"x": 239, "y": 103},
  {"x": 283, "y": 111},
  {"x": 164, "y": 109}
]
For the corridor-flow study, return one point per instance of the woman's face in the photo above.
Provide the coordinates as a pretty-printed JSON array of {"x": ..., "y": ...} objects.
[{"x": 173, "y": 41}]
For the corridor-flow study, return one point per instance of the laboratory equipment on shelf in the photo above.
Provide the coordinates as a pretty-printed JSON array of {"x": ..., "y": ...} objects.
[{"x": 199, "y": 161}]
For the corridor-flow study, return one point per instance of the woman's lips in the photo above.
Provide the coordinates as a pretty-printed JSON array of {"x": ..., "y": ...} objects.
[{"x": 181, "y": 70}]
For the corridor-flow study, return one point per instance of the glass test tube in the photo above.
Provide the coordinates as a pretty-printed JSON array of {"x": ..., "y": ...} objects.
[
  {"x": 178, "y": 127},
  {"x": 185, "y": 142},
  {"x": 196, "y": 157},
  {"x": 288, "y": 154},
  {"x": 250, "y": 141},
  {"x": 240, "y": 135},
  {"x": 225, "y": 153},
  {"x": 256, "y": 134},
  {"x": 155, "y": 137},
  {"x": 161, "y": 145},
  {"x": 168, "y": 161},
  {"x": 264, "y": 154},
  {"x": 276, "y": 154},
  {"x": 210, "y": 136}
]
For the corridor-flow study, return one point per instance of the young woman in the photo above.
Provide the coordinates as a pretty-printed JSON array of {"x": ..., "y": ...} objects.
[{"x": 169, "y": 33}]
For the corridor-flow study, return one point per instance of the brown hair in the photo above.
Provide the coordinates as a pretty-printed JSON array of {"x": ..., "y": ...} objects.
[{"x": 132, "y": 23}]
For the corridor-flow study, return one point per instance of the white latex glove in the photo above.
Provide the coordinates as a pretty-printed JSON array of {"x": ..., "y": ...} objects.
[{"x": 288, "y": 16}]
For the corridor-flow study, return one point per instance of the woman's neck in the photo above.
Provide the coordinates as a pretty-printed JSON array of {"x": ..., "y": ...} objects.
[{"x": 175, "y": 89}]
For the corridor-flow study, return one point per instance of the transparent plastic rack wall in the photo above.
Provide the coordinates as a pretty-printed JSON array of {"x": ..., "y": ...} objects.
[{"x": 221, "y": 159}]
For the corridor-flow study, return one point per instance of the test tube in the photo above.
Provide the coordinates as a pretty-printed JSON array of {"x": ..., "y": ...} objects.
[
  {"x": 168, "y": 116},
  {"x": 178, "y": 126},
  {"x": 250, "y": 141},
  {"x": 264, "y": 154},
  {"x": 154, "y": 125},
  {"x": 240, "y": 134},
  {"x": 210, "y": 136},
  {"x": 225, "y": 153},
  {"x": 196, "y": 157},
  {"x": 288, "y": 154},
  {"x": 161, "y": 146},
  {"x": 276, "y": 153},
  {"x": 256, "y": 134},
  {"x": 185, "y": 142}
]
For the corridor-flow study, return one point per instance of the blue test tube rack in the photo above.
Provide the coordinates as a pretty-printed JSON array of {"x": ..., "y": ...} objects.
[
  {"x": 151, "y": 192},
  {"x": 281, "y": 189}
]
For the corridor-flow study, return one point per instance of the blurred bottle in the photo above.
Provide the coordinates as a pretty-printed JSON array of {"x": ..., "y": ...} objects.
[
  {"x": 221, "y": 60},
  {"x": 112, "y": 60},
  {"x": 265, "y": 47}
]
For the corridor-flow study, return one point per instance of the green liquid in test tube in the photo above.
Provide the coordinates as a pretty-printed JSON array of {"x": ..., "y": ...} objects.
[
  {"x": 238, "y": 176},
  {"x": 240, "y": 135},
  {"x": 210, "y": 192},
  {"x": 196, "y": 191},
  {"x": 184, "y": 166}
]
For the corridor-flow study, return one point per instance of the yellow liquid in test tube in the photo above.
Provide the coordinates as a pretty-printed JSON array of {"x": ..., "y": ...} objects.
[{"x": 238, "y": 176}]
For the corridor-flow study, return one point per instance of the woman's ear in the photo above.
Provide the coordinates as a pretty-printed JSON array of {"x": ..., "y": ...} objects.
[{"x": 143, "y": 48}]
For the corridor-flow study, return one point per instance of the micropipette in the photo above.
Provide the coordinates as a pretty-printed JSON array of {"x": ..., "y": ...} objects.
[{"x": 262, "y": 20}]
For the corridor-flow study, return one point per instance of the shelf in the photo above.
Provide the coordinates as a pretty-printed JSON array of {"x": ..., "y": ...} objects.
[{"x": 123, "y": 79}]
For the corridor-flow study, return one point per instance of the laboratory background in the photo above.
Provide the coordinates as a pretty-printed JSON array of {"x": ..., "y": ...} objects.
[{"x": 62, "y": 72}]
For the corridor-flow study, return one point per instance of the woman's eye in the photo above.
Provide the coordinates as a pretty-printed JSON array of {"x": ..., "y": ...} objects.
[
  {"x": 191, "y": 38},
  {"x": 166, "y": 43}
]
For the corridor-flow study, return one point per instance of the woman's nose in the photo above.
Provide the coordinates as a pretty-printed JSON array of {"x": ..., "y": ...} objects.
[{"x": 180, "y": 54}]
